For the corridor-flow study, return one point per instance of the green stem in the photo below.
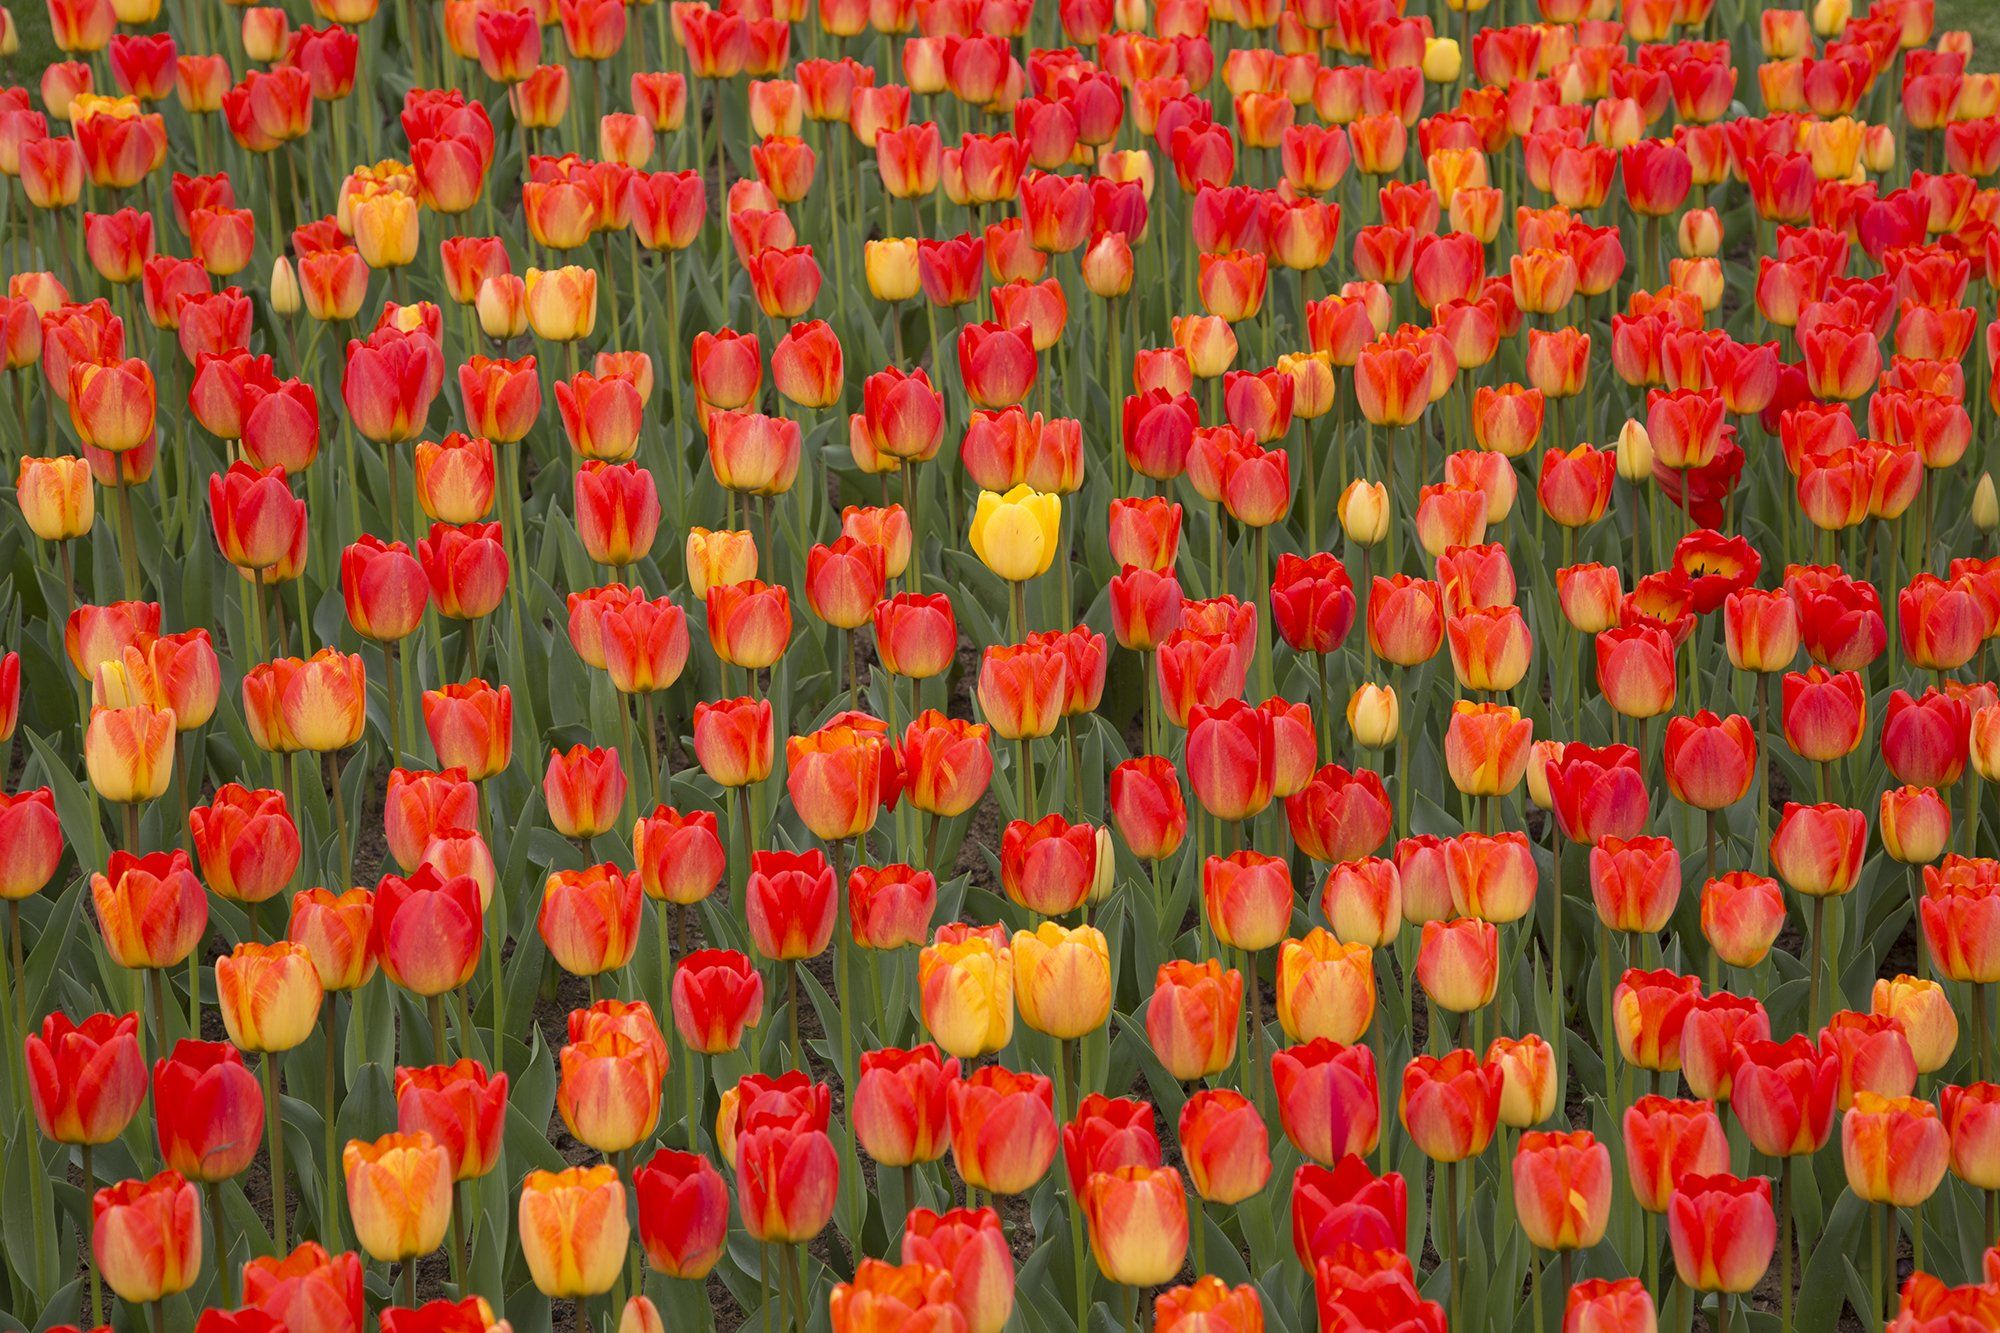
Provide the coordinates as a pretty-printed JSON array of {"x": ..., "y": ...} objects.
[{"x": 274, "y": 1124}]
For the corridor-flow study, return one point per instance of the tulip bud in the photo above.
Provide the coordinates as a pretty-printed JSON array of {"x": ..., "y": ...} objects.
[
  {"x": 1363, "y": 509},
  {"x": 285, "y": 296},
  {"x": 1985, "y": 504},
  {"x": 1374, "y": 716},
  {"x": 1635, "y": 453}
]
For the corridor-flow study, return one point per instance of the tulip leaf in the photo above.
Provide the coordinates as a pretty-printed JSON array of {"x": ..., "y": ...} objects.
[{"x": 1824, "y": 1283}]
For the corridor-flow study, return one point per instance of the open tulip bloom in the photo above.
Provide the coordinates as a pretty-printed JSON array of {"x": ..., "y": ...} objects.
[{"x": 1317, "y": 664}]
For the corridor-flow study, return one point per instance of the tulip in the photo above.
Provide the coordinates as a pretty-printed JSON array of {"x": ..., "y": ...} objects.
[
  {"x": 85, "y": 1080},
  {"x": 427, "y": 930},
  {"x": 1895, "y": 1149},
  {"x": 1527, "y": 1079},
  {"x": 145, "y": 1237},
  {"x": 308, "y": 1289},
  {"x": 151, "y": 909},
  {"x": 1925, "y": 1014},
  {"x": 398, "y": 1193},
  {"x": 1607, "y": 1305},
  {"x": 1970, "y": 1121},
  {"x": 1137, "y": 1219},
  {"x": 31, "y": 843},
  {"x": 247, "y": 843},
  {"x": 128, "y": 753},
  {"x": 1722, "y": 1230},
  {"x": 573, "y": 1230},
  {"x": 1458, "y": 963},
  {"x": 1192, "y": 1019},
  {"x": 717, "y": 994},
  {"x": 1562, "y": 1189},
  {"x": 1327, "y": 1099},
  {"x": 1062, "y": 980},
  {"x": 461, "y": 1107},
  {"x": 970, "y": 1245},
  {"x": 1450, "y": 1105},
  {"x": 1003, "y": 1131},
  {"x": 791, "y": 902},
  {"x": 1325, "y": 988},
  {"x": 683, "y": 1208}
]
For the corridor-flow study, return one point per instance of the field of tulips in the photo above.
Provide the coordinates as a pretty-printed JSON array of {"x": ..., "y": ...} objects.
[{"x": 999, "y": 666}]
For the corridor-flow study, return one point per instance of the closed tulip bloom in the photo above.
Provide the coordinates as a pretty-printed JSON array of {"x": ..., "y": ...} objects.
[
  {"x": 1941, "y": 623},
  {"x": 417, "y": 804},
  {"x": 399, "y": 1194},
  {"x": 1825, "y": 714},
  {"x": 790, "y": 903},
  {"x": 1710, "y": 761},
  {"x": 471, "y": 727},
  {"x": 1486, "y": 748},
  {"x": 683, "y": 1207},
  {"x": 1247, "y": 897},
  {"x": 1741, "y": 915},
  {"x": 1925, "y": 1014},
  {"x": 1716, "y": 1025},
  {"x": 1971, "y": 1116},
  {"x": 1723, "y": 1231},
  {"x": 733, "y": 740},
  {"x": 573, "y": 1230},
  {"x": 269, "y": 995},
  {"x": 1405, "y": 620},
  {"x": 150, "y": 909},
  {"x": 461, "y": 1106},
  {"x": 585, "y": 790},
  {"x": 1147, "y": 807},
  {"x": 900, "y": 1105},
  {"x": 1339, "y": 815},
  {"x": 31, "y": 842},
  {"x": 309, "y": 1289},
  {"x": 85, "y": 1080},
  {"x": 1649, "y": 1012},
  {"x": 609, "y": 1094},
  {"x": 1226, "y": 1146},
  {"x": 1327, "y": 1098},
  {"x": 145, "y": 1237},
  {"x": 428, "y": 930},
  {"x": 1915, "y": 824},
  {"x": 1374, "y": 716},
  {"x": 1490, "y": 648},
  {"x": 1138, "y": 1222},
  {"x": 1818, "y": 849},
  {"x": 1192, "y": 1019},
  {"x": 1048, "y": 866},
  {"x": 1874, "y": 1055},
  {"x": 1895, "y": 1149},
  {"x": 55, "y": 496},
  {"x": 1458, "y": 963},
  {"x": 1016, "y": 535},
  {"x": 718, "y": 993},
  {"x": 1635, "y": 883},
  {"x": 589, "y": 919},
  {"x": 247, "y": 843},
  {"x": 1784, "y": 1095},
  {"x": 1527, "y": 1079},
  {"x": 128, "y": 753},
  {"x": 946, "y": 763},
  {"x": 1562, "y": 1189},
  {"x": 384, "y": 588},
  {"x": 1003, "y": 1129},
  {"x": 1960, "y": 915},
  {"x": 749, "y": 623},
  {"x": 967, "y": 989},
  {"x": 834, "y": 777},
  {"x": 1925, "y": 740},
  {"x": 891, "y": 906},
  {"x": 1362, "y": 901},
  {"x": 1325, "y": 988},
  {"x": 562, "y": 303},
  {"x": 1062, "y": 979},
  {"x": 1492, "y": 877},
  {"x": 1450, "y": 1105},
  {"x": 1635, "y": 670},
  {"x": 1667, "y": 1140}
]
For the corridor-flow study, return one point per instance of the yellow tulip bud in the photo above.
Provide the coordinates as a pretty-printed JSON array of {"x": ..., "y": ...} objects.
[{"x": 1015, "y": 535}]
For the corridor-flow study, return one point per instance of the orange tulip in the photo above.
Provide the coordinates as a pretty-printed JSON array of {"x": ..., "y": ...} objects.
[
  {"x": 573, "y": 1229},
  {"x": 398, "y": 1193}
]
